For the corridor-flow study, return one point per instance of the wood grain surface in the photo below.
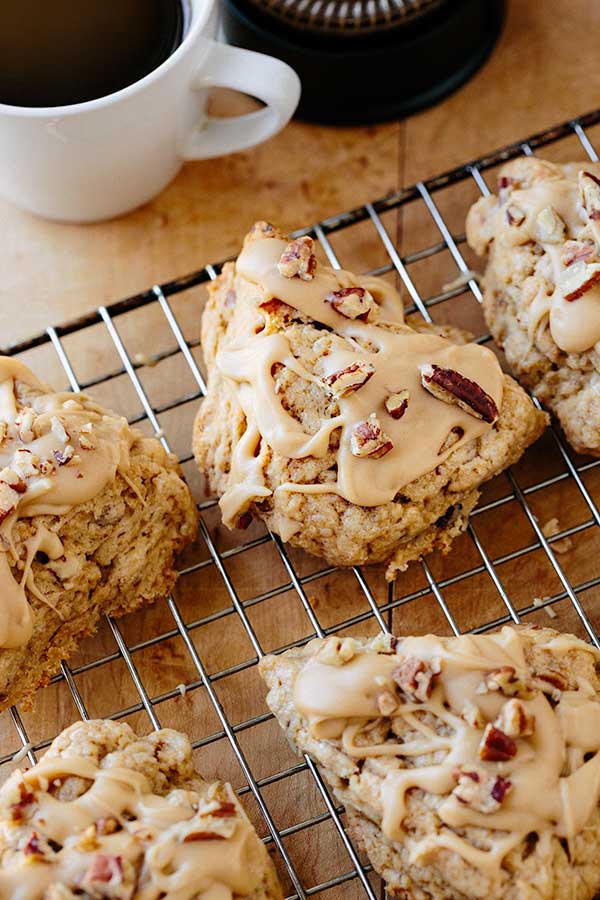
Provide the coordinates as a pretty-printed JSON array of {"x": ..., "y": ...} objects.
[{"x": 543, "y": 71}]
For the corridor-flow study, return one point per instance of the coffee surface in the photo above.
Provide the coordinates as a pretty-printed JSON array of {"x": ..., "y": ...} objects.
[{"x": 67, "y": 51}]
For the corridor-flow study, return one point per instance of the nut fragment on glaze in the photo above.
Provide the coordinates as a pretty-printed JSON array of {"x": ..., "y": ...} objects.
[
  {"x": 298, "y": 259},
  {"x": 368, "y": 439},
  {"x": 480, "y": 789},
  {"x": 496, "y": 746},
  {"x": 349, "y": 379},
  {"x": 352, "y": 302},
  {"x": 453, "y": 387},
  {"x": 396, "y": 404}
]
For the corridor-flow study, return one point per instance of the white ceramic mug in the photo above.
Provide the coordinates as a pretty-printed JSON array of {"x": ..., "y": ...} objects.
[{"x": 92, "y": 161}]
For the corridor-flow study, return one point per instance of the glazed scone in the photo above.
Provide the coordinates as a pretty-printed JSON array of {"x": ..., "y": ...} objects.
[
  {"x": 350, "y": 433},
  {"x": 91, "y": 515},
  {"x": 469, "y": 766},
  {"x": 541, "y": 234},
  {"x": 106, "y": 814}
]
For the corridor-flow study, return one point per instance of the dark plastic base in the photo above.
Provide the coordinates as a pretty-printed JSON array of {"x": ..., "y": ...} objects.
[{"x": 359, "y": 80}]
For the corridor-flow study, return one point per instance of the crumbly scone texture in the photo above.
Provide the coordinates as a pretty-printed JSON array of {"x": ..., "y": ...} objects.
[
  {"x": 426, "y": 515},
  {"x": 566, "y": 383},
  {"x": 541, "y": 867},
  {"x": 164, "y": 758},
  {"x": 119, "y": 550}
]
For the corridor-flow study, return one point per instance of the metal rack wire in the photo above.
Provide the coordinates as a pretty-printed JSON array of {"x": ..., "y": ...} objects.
[{"x": 577, "y": 597}]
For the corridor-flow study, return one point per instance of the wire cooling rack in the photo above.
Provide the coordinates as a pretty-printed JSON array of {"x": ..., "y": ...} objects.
[{"x": 531, "y": 551}]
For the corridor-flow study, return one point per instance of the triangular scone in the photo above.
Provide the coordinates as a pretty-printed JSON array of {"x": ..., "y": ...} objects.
[
  {"x": 542, "y": 284},
  {"x": 469, "y": 766},
  {"x": 351, "y": 434},
  {"x": 91, "y": 516},
  {"x": 106, "y": 814}
]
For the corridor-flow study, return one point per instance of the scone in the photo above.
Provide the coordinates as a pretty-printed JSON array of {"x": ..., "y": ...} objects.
[
  {"x": 350, "y": 433},
  {"x": 469, "y": 766},
  {"x": 91, "y": 515},
  {"x": 542, "y": 285},
  {"x": 106, "y": 814}
]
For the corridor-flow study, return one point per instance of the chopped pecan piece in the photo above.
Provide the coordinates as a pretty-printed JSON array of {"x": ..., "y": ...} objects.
[
  {"x": 352, "y": 302},
  {"x": 346, "y": 381},
  {"x": 13, "y": 480},
  {"x": 26, "y": 463},
  {"x": 415, "y": 678},
  {"x": 298, "y": 259},
  {"x": 225, "y": 810},
  {"x": 508, "y": 682},
  {"x": 34, "y": 846},
  {"x": 24, "y": 423},
  {"x": 472, "y": 715},
  {"x": 552, "y": 682},
  {"x": 397, "y": 404},
  {"x": 480, "y": 789},
  {"x": 386, "y": 703},
  {"x": 514, "y": 720},
  {"x": 578, "y": 279},
  {"x": 63, "y": 456},
  {"x": 450, "y": 386},
  {"x": 369, "y": 439},
  {"x": 589, "y": 185},
  {"x": 335, "y": 651},
  {"x": 104, "y": 869},
  {"x": 9, "y": 499},
  {"x": 578, "y": 251},
  {"x": 514, "y": 215},
  {"x": 496, "y": 746},
  {"x": 549, "y": 227},
  {"x": 26, "y": 798},
  {"x": 203, "y": 836},
  {"x": 58, "y": 430},
  {"x": 452, "y": 438}
]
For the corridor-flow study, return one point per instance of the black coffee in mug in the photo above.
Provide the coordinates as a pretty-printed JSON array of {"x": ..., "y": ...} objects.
[{"x": 59, "y": 52}]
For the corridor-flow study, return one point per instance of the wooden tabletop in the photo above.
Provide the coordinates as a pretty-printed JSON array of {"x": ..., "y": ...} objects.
[{"x": 543, "y": 71}]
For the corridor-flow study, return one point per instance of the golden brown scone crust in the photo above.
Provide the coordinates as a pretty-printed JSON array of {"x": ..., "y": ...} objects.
[
  {"x": 427, "y": 514},
  {"x": 124, "y": 542},
  {"x": 566, "y": 383}
]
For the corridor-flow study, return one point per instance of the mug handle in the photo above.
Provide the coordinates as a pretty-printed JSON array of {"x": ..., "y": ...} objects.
[{"x": 269, "y": 79}]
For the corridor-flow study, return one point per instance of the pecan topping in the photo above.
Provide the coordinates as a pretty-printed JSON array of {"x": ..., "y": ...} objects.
[
  {"x": 549, "y": 227},
  {"x": 9, "y": 499},
  {"x": 472, "y": 715},
  {"x": 352, "y": 302},
  {"x": 589, "y": 186},
  {"x": 578, "y": 279},
  {"x": 34, "y": 846},
  {"x": 24, "y": 423},
  {"x": 577, "y": 251},
  {"x": 274, "y": 306},
  {"x": 104, "y": 868},
  {"x": 386, "y": 703},
  {"x": 346, "y": 381},
  {"x": 298, "y": 259},
  {"x": 552, "y": 682},
  {"x": 496, "y": 746},
  {"x": 63, "y": 456},
  {"x": 335, "y": 651},
  {"x": 13, "y": 480},
  {"x": 514, "y": 215},
  {"x": 26, "y": 798},
  {"x": 480, "y": 789},
  {"x": 514, "y": 720},
  {"x": 507, "y": 682},
  {"x": 397, "y": 404},
  {"x": 264, "y": 228},
  {"x": 26, "y": 463},
  {"x": 452, "y": 438},
  {"x": 58, "y": 430},
  {"x": 203, "y": 836},
  {"x": 244, "y": 520},
  {"x": 369, "y": 439},
  {"x": 415, "y": 678},
  {"x": 450, "y": 386}
]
